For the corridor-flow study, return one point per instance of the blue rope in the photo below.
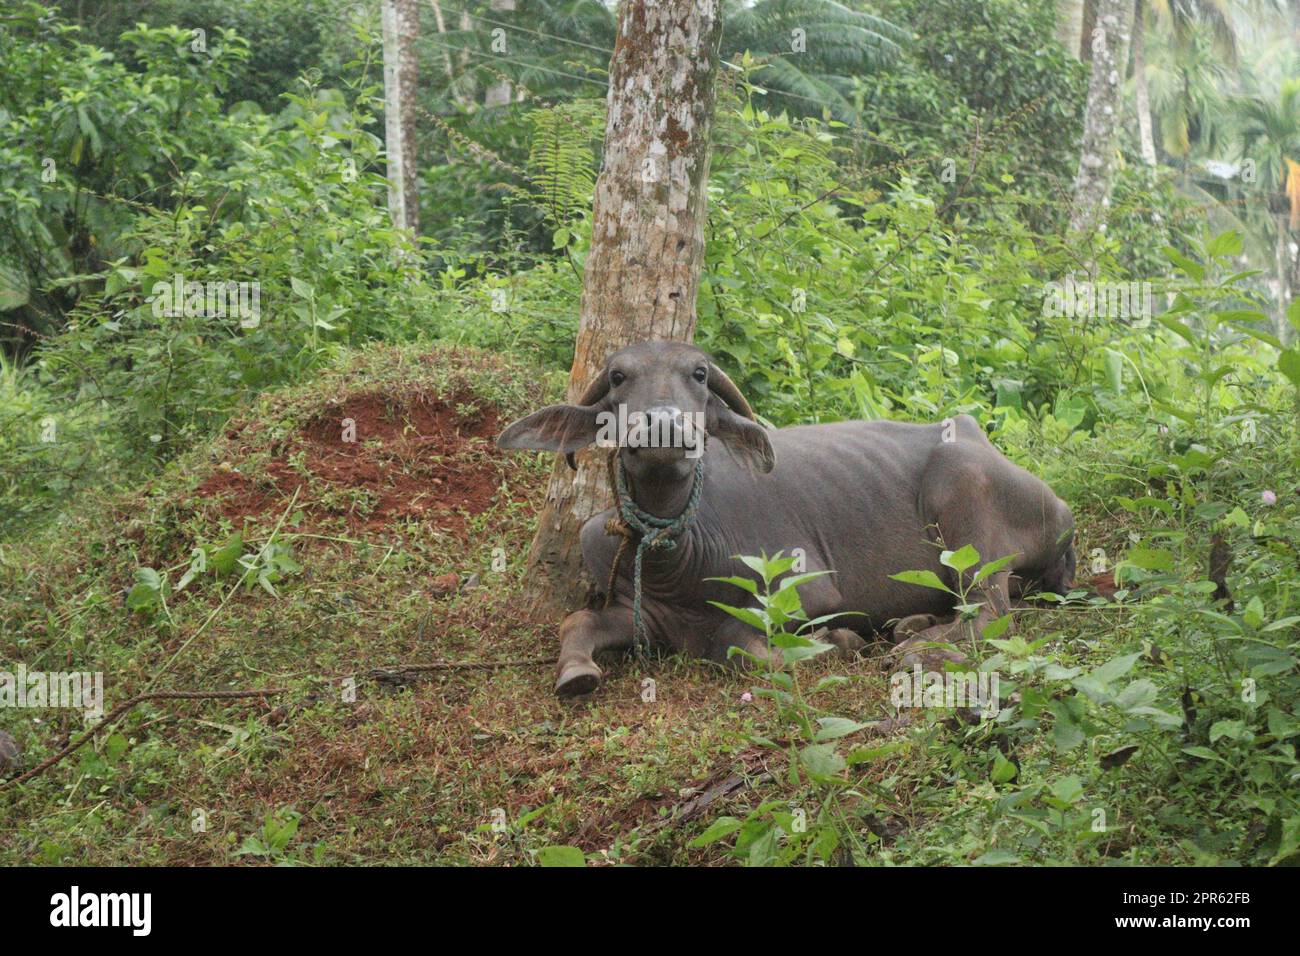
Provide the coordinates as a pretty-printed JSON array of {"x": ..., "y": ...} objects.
[{"x": 655, "y": 532}]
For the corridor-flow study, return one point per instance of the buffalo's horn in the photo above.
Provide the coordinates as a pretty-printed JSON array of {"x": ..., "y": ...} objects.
[
  {"x": 725, "y": 389},
  {"x": 597, "y": 390}
]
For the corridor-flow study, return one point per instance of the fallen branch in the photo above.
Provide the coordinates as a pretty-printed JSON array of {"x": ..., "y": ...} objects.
[
  {"x": 393, "y": 673},
  {"x": 696, "y": 805},
  {"x": 117, "y": 712},
  {"x": 377, "y": 674}
]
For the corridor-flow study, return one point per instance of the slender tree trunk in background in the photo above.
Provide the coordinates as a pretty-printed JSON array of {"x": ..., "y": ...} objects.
[
  {"x": 1088, "y": 23},
  {"x": 500, "y": 92},
  {"x": 1069, "y": 26},
  {"x": 1141, "y": 94},
  {"x": 1290, "y": 226},
  {"x": 1289, "y": 332},
  {"x": 466, "y": 24},
  {"x": 1092, "y": 183},
  {"x": 401, "y": 25},
  {"x": 647, "y": 246},
  {"x": 442, "y": 28},
  {"x": 1288, "y": 279}
]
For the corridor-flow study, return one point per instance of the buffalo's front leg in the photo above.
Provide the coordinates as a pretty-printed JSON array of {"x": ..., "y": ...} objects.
[
  {"x": 735, "y": 633},
  {"x": 918, "y": 634},
  {"x": 583, "y": 635}
]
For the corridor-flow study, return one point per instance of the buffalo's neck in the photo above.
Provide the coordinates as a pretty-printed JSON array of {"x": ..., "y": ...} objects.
[
  {"x": 663, "y": 497},
  {"x": 672, "y": 575}
]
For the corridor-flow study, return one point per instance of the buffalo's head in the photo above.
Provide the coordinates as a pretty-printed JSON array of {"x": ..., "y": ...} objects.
[{"x": 655, "y": 401}]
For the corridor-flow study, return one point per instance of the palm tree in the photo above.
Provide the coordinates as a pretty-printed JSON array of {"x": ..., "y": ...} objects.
[
  {"x": 1142, "y": 95},
  {"x": 1270, "y": 128},
  {"x": 807, "y": 51},
  {"x": 810, "y": 50},
  {"x": 1186, "y": 94},
  {"x": 1185, "y": 23}
]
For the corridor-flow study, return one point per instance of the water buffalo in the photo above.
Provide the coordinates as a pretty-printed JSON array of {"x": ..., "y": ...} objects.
[{"x": 863, "y": 499}]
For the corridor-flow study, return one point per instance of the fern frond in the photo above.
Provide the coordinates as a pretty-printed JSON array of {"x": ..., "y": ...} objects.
[{"x": 562, "y": 161}]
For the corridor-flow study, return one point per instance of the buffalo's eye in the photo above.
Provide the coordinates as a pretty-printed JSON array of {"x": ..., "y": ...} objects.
[
  {"x": 701, "y": 374},
  {"x": 617, "y": 378}
]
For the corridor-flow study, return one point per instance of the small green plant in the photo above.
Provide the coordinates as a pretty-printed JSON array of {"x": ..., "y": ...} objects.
[
  {"x": 514, "y": 838},
  {"x": 968, "y": 588},
  {"x": 262, "y": 567},
  {"x": 815, "y": 825},
  {"x": 278, "y": 831}
]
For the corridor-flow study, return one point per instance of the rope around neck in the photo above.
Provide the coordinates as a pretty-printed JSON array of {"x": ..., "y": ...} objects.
[{"x": 655, "y": 532}]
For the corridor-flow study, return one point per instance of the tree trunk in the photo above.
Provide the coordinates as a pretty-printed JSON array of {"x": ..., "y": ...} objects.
[
  {"x": 1141, "y": 94},
  {"x": 401, "y": 26},
  {"x": 1289, "y": 333},
  {"x": 1092, "y": 183},
  {"x": 500, "y": 92},
  {"x": 466, "y": 24},
  {"x": 1069, "y": 26},
  {"x": 1087, "y": 23},
  {"x": 1288, "y": 279},
  {"x": 643, "y": 271},
  {"x": 442, "y": 28}
]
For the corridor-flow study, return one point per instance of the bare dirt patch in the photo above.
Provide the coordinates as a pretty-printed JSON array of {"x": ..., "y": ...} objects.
[{"x": 373, "y": 460}]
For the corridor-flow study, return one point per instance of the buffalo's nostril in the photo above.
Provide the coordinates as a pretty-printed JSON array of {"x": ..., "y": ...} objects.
[
  {"x": 662, "y": 427},
  {"x": 669, "y": 413}
]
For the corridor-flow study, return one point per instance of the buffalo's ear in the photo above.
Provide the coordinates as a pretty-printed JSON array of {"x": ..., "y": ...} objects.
[
  {"x": 560, "y": 428},
  {"x": 743, "y": 437}
]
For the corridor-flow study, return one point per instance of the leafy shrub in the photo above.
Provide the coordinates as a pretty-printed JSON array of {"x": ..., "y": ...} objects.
[{"x": 75, "y": 167}]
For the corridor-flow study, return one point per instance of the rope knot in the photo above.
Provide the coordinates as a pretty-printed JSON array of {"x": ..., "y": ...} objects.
[{"x": 655, "y": 532}]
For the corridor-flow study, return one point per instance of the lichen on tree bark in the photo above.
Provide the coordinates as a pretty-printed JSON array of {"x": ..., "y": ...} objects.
[{"x": 1092, "y": 183}]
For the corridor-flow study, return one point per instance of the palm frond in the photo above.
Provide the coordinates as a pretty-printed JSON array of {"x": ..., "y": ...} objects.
[
  {"x": 847, "y": 50},
  {"x": 780, "y": 76},
  {"x": 838, "y": 43},
  {"x": 587, "y": 20}
]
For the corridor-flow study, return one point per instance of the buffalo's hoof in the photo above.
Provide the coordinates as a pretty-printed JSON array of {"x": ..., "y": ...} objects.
[
  {"x": 912, "y": 625},
  {"x": 929, "y": 650},
  {"x": 577, "y": 679},
  {"x": 848, "y": 644}
]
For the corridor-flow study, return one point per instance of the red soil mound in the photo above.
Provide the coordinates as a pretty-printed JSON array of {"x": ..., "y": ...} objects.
[{"x": 374, "y": 461}]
